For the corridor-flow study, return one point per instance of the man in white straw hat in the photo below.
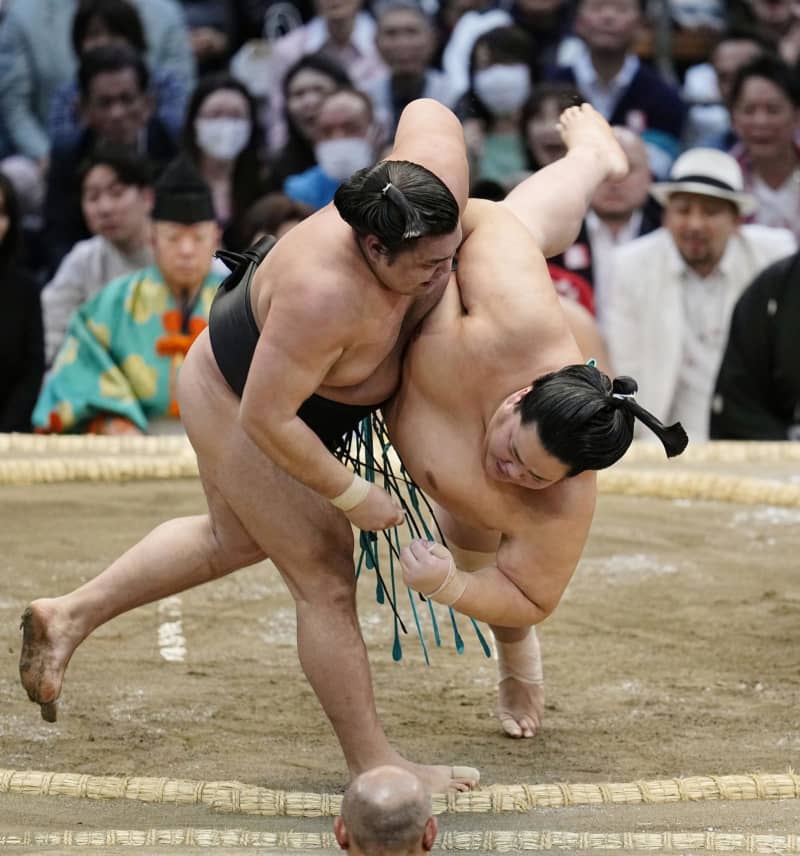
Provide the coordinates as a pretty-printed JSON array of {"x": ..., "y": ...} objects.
[{"x": 673, "y": 291}]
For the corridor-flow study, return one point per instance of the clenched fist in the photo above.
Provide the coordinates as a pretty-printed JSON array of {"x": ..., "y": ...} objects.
[
  {"x": 378, "y": 510},
  {"x": 429, "y": 568}
]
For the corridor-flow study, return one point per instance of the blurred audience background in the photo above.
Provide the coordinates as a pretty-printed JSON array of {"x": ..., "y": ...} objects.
[{"x": 273, "y": 102}]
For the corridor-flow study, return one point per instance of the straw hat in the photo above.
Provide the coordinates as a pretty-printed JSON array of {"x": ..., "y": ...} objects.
[{"x": 708, "y": 172}]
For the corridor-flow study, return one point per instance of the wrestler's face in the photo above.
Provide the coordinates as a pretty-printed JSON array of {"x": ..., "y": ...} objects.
[
  {"x": 423, "y": 268},
  {"x": 515, "y": 454}
]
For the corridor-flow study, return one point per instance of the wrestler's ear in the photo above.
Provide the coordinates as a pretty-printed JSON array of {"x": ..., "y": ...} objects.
[
  {"x": 374, "y": 248},
  {"x": 520, "y": 394},
  {"x": 429, "y": 835},
  {"x": 340, "y": 831}
]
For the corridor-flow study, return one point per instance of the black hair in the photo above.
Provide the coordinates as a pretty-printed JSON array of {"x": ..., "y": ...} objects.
[
  {"x": 586, "y": 420},
  {"x": 130, "y": 167},
  {"x": 248, "y": 170},
  {"x": 397, "y": 201},
  {"x": 316, "y": 62},
  {"x": 268, "y": 213},
  {"x": 119, "y": 17},
  {"x": 772, "y": 68},
  {"x": 743, "y": 34},
  {"x": 11, "y": 244},
  {"x": 105, "y": 59}
]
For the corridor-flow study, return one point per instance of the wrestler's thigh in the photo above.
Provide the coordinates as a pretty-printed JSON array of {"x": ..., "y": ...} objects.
[{"x": 300, "y": 531}]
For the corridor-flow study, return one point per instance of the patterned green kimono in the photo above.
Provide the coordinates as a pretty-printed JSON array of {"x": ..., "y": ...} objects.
[{"x": 121, "y": 354}]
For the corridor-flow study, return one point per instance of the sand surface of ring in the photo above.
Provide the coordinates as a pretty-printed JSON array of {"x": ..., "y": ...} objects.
[{"x": 675, "y": 652}]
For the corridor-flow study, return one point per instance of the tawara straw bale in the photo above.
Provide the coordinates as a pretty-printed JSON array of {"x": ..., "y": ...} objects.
[
  {"x": 250, "y": 799},
  {"x": 478, "y": 841}
]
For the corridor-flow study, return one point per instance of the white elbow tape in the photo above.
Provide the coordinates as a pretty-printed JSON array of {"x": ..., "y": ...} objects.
[
  {"x": 521, "y": 660},
  {"x": 470, "y": 560},
  {"x": 451, "y": 589},
  {"x": 355, "y": 494}
]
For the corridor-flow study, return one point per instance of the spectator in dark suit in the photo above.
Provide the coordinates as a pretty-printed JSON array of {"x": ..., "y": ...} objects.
[
  {"x": 757, "y": 395},
  {"x": 103, "y": 22},
  {"x": 21, "y": 337},
  {"x": 626, "y": 91},
  {"x": 115, "y": 107}
]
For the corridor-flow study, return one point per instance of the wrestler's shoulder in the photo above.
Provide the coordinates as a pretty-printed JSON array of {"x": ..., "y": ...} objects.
[{"x": 569, "y": 499}]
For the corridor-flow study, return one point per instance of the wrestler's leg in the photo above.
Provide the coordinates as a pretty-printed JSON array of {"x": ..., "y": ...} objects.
[
  {"x": 520, "y": 682},
  {"x": 175, "y": 556},
  {"x": 553, "y": 201},
  {"x": 311, "y": 543}
]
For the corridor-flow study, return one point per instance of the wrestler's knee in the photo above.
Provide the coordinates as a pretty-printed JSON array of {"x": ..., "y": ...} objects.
[{"x": 231, "y": 550}]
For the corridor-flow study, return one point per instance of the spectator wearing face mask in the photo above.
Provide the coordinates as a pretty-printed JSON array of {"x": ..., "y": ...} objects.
[
  {"x": 306, "y": 85},
  {"x": 345, "y": 143},
  {"x": 340, "y": 30},
  {"x": 501, "y": 81},
  {"x": 222, "y": 137}
]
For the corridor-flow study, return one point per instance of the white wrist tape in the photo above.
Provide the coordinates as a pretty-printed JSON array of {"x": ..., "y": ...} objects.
[
  {"x": 521, "y": 660},
  {"x": 470, "y": 560},
  {"x": 451, "y": 589},
  {"x": 355, "y": 494}
]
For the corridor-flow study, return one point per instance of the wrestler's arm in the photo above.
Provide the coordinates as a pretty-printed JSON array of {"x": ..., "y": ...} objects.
[
  {"x": 535, "y": 561},
  {"x": 305, "y": 332},
  {"x": 428, "y": 133}
]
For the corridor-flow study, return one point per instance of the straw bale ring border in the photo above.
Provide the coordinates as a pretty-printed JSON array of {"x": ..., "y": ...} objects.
[{"x": 472, "y": 841}]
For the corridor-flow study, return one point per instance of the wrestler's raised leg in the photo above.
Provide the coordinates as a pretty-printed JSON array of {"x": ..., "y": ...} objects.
[
  {"x": 520, "y": 686},
  {"x": 553, "y": 201}
]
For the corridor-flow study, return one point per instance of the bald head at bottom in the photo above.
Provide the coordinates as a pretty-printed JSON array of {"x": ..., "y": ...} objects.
[{"x": 386, "y": 812}]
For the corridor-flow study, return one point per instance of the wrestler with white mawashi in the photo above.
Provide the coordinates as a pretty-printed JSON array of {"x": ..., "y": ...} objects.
[{"x": 442, "y": 576}]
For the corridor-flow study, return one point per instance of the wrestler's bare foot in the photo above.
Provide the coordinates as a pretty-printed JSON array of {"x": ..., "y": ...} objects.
[
  {"x": 441, "y": 779},
  {"x": 520, "y": 707},
  {"x": 48, "y": 641},
  {"x": 584, "y": 128}
]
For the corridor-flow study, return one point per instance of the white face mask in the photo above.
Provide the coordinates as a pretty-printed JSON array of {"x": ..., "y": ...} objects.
[
  {"x": 222, "y": 138},
  {"x": 503, "y": 88},
  {"x": 342, "y": 157}
]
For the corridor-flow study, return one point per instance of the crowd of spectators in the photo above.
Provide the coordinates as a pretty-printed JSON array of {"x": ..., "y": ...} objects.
[{"x": 270, "y": 104}]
